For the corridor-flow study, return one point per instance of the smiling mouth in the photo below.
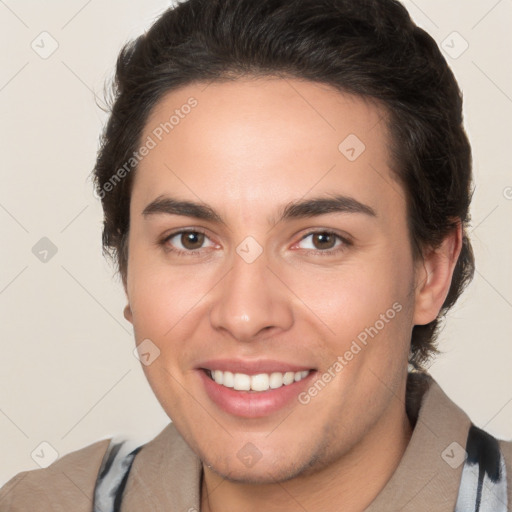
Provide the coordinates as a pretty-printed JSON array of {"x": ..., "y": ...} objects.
[{"x": 257, "y": 383}]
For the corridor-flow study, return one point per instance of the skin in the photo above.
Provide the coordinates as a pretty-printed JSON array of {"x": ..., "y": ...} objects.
[{"x": 248, "y": 148}]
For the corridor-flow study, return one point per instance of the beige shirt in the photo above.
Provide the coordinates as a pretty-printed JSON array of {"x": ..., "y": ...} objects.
[{"x": 166, "y": 474}]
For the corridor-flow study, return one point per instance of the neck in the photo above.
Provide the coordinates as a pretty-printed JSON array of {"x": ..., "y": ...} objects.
[{"x": 350, "y": 484}]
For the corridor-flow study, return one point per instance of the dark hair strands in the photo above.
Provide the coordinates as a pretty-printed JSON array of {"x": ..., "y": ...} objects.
[{"x": 369, "y": 48}]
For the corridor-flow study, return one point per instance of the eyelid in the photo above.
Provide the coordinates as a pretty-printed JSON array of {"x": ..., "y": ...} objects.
[
  {"x": 164, "y": 241},
  {"x": 345, "y": 240},
  {"x": 190, "y": 229}
]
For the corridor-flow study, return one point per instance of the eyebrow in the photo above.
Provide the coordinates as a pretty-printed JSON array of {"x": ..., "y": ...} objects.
[{"x": 294, "y": 210}]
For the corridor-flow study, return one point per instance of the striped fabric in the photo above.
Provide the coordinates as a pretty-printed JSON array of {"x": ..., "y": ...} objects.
[
  {"x": 113, "y": 475},
  {"x": 483, "y": 486}
]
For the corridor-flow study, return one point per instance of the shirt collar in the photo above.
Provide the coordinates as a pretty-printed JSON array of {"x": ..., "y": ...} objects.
[
  {"x": 166, "y": 473},
  {"x": 428, "y": 475}
]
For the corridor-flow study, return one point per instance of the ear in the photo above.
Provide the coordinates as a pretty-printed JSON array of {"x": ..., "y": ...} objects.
[
  {"x": 128, "y": 313},
  {"x": 434, "y": 276}
]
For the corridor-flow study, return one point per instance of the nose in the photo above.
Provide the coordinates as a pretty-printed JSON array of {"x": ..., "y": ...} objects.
[{"x": 251, "y": 302}]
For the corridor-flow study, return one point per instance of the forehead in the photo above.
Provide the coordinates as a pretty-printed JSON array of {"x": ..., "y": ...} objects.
[{"x": 259, "y": 140}]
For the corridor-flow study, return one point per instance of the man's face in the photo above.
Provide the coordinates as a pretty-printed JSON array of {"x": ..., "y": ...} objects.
[{"x": 312, "y": 307}]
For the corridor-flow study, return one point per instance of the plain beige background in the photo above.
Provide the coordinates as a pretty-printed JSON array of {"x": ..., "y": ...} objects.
[{"x": 68, "y": 374}]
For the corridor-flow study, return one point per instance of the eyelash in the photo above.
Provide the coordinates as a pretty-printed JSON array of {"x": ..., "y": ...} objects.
[
  {"x": 345, "y": 243},
  {"x": 164, "y": 242}
]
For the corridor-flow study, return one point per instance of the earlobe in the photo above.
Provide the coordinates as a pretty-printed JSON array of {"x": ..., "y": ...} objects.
[
  {"x": 434, "y": 277},
  {"x": 128, "y": 313}
]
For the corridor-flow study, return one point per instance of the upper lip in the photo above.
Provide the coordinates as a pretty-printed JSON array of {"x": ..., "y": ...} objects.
[{"x": 252, "y": 367}]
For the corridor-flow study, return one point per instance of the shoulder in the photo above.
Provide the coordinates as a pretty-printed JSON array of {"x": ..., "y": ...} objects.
[
  {"x": 506, "y": 450},
  {"x": 67, "y": 484},
  {"x": 487, "y": 470}
]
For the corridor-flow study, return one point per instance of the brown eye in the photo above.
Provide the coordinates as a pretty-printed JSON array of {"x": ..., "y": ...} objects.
[
  {"x": 192, "y": 240},
  {"x": 324, "y": 240},
  {"x": 183, "y": 242}
]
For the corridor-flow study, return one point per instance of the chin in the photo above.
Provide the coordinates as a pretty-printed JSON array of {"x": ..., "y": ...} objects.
[
  {"x": 263, "y": 474},
  {"x": 269, "y": 469}
]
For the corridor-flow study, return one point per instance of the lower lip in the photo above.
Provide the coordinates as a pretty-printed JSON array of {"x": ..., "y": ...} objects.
[{"x": 253, "y": 404}]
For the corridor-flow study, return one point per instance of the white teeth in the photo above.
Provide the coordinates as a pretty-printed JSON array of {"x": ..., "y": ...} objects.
[
  {"x": 288, "y": 378},
  {"x": 242, "y": 382},
  {"x": 259, "y": 382},
  {"x": 227, "y": 379},
  {"x": 217, "y": 376},
  {"x": 301, "y": 375},
  {"x": 276, "y": 380}
]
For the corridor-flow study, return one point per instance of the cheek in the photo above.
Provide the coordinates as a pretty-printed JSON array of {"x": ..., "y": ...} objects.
[
  {"x": 162, "y": 296},
  {"x": 170, "y": 307},
  {"x": 166, "y": 305},
  {"x": 365, "y": 311},
  {"x": 353, "y": 298},
  {"x": 155, "y": 305}
]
